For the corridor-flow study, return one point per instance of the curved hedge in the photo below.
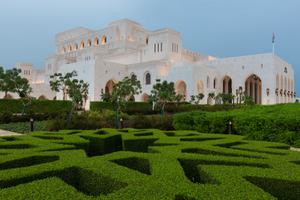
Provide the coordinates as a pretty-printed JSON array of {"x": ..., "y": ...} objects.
[{"x": 122, "y": 164}]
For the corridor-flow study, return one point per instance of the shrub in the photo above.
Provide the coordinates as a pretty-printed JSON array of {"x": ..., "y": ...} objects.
[
  {"x": 86, "y": 121},
  {"x": 279, "y": 123},
  {"x": 11, "y": 110},
  {"x": 24, "y": 127},
  {"x": 163, "y": 122},
  {"x": 146, "y": 108},
  {"x": 37, "y": 106}
]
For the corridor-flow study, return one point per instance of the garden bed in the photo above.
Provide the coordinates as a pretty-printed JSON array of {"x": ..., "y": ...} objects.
[{"x": 145, "y": 164}]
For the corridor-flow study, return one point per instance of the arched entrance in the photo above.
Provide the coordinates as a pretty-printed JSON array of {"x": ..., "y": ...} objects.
[
  {"x": 145, "y": 97},
  {"x": 109, "y": 86},
  {"x": 227, "y": 85},
  {"x": 42, "y": 97},
  {"x": 253, "y": 88},
  {"x": 181, "y": 88}
]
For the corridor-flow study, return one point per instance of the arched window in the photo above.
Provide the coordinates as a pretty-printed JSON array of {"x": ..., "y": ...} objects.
[
  {"x": 207, "y": 82},
  {"x": 89, "y": 43},
  {"x": 253, "y": 86},
  {"x": 104, "y": 40},
  {"x": 63, "y": 50},
  {"x": 181, "y": 88},
  {"x": 148, "y": 78},
  {"x": 147, "y": 41},
  {"x": 82, "y": 45},
  {"x": 109, "y": 86},
  {"x": 227, "y": 85},
  {"x": 145, "y": 97},
  {"x": 76, "y": 46},
  {"x": 215, "y": 83},
  {"x": 96, "y": 41}
]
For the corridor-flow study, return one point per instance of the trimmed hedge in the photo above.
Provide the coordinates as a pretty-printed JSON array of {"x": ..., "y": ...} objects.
[
  {"x": 119, "y": 165},
  {"x": 37, "y": 106},
  {"x": 146, "y": 108},
  {"x": 272, "y": 123},
  {"x": 11, "y": 110},
  {"x": 24, "y": 127}
]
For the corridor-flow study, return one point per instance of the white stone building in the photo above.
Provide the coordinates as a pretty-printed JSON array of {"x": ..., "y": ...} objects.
[{"x": 124, "y": 47}]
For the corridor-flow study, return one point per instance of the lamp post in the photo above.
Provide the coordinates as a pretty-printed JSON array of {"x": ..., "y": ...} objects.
[
  {"x": 229, "y": 127},
  {"x": 122, "y": 123},
  {"x": 31, "y": 124}
]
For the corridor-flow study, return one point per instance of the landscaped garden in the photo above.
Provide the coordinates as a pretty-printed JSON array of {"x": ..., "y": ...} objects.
[
  {"x": 145, "y": 164},
  {"x": 169, "y": 148}
]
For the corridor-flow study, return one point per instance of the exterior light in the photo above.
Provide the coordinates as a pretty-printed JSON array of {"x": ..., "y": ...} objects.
[
  {"x": 31, "y": 124},
  {"x": 268, "y": 91}
]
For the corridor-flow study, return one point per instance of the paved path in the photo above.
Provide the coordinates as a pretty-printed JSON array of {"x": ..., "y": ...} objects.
[{"x": 8, "y": 133}]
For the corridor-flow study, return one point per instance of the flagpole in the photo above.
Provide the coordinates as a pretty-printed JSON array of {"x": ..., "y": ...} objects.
[{"x": 273, "y": 43}]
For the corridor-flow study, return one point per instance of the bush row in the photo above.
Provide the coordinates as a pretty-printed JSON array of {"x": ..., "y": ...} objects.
[
  {"x": 107, "y": 119},
  {"x": 36, "y": 106},
  {"x": 13, "y": 110},
  {"x": 279, "y": 123},
  {"x": 24, "y": 127},
  {"x": 146, "y": 108}
]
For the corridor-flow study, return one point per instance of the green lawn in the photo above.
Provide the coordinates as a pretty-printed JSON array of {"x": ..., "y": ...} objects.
[{"x": 145, "y": 164}]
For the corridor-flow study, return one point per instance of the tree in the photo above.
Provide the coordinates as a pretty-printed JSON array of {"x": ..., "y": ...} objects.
[
  {"x": 247, "y": 100},
  {"x": 121, "y": 94},
  {"x": 162, "y": 93},
  {"x": 227, "y": 98},
  {"x": 77, "y": 90},
  {"x": 85, "y": 92},
  {"x": 58, "y": 82},
  {"x": 195, "y": 99},
  {"x": 22, "y": 87},
  {"x": 105, "y": 96},
  {"x": 11, "y": 81},
  {"x": 212, "y": 95},
  {"x": 7, "y": 81}
]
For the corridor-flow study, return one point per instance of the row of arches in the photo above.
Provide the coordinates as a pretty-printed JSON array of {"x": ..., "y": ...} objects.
[
  {"x": 253, "y": 87},
  {"x": 284, "y": 89},
  {"x": 83, "y": 44},
  {"x": 110, "y": 84}
]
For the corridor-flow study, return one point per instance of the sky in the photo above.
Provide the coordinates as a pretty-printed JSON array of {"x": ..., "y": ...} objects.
[{"x": 213, "y": 27}]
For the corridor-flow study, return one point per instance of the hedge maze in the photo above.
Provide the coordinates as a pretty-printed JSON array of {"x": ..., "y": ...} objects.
[{"x": 145, "y": 164}]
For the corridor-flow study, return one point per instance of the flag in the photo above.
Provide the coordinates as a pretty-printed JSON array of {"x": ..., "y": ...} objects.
[{"x": 273, "y": 38}]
